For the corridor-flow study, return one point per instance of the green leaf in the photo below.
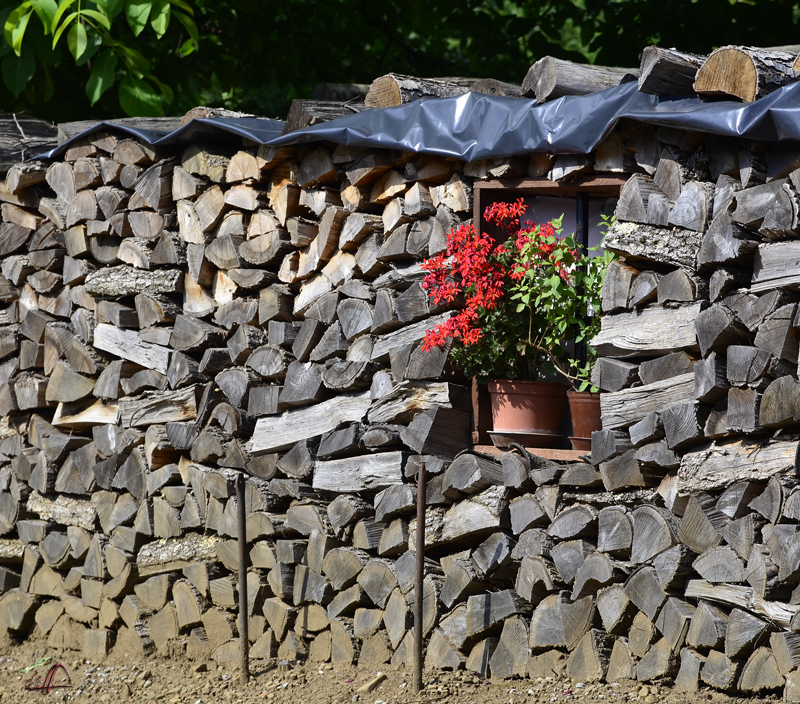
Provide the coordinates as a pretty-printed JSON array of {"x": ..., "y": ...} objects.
[
  {"x": 77, "y": 40},
  {"x": 137, "y": 13},
  {"x": 110, "y": 7},
  {"x": 102, "y": 76},
  {"x": 185, "y": 6},
  {"x": 15, "y": 26},
  {"x": 188, "y": 47},
  {"x": 66, "y": 23},
  {"x": 190, "y": 27},
  {"x": 95, "y": 42},
  {"x": 62, "y": 8},
  {"x": 138, "y": 98},
  {"x": 99, "y": 17},
  {"x": 134, "y": 60},
  {"x": 46, "y": 9},
  {"x": 18, "y": 71},
  {"x": 166, "y": 91},
  {"x": 159, "y": 17}
]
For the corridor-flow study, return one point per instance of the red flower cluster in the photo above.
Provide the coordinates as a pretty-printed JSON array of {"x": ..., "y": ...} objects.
[
  {"x": 476, "y": 268},
  {"x": 473, "y": 272}
]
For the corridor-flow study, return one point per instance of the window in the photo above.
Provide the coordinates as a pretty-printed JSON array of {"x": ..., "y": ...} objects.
[{"x": 581, "y": 201}]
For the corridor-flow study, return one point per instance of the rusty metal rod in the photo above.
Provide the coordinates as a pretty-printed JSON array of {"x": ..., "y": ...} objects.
[
  {"x": 419, "y": 576},
  {"x": 244, "y": 641}
]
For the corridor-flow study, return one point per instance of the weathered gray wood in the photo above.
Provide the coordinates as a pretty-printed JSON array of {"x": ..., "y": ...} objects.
[
  {"x": 281, "y": 433},
  {"x": 621, "y": 409},
  {"x": 360, "y": 474},
  {"x": 649, "y": 243},
  {"x": 721, "y": 464},
  {"x": 650, "y": 332},
  {"x": 665, "y": 71},
  {"x": 128, "y": 345},
  {"x": 550, "y": 78}
]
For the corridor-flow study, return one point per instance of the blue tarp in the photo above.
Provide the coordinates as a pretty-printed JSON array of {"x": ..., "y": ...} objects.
[{"x": 475, "y": 126}]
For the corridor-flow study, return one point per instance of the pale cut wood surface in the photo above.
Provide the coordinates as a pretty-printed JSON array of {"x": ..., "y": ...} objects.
[
  {"x": 620, "y": 409},
  {"x": 127, "y": 345},
  {"x": 650, "y": 332},
  {"x": 370, "y": 472},
  {"x": 777, "y": 265},
  {"x": 720, "y": 465},
  {"x": 176, "y": 553},
  {"x": 281, "y": 432},
  {"x": 743, "y": 597}
]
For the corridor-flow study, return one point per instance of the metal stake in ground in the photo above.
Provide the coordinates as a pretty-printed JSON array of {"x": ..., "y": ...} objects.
[
  {"x": 244, "y": 643},
  {"x": 419, "y": 576}
]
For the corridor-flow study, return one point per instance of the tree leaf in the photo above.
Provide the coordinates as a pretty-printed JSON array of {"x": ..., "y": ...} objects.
[
  {"x": 188, "y": 47},
  {"x": 159, "y": 17},
  {"x": 185, "y": 6},
  {"x": 138, "y": 98},
  {"x": 15, "y": 26},
  {"x": 102, "y": 76},
  {"x": 166, "y": 92},
  {"x": 137, "y": 13},
  {"x": 77, "y": 40},
  {"x": 69, "y": 19},
  {"x": 46, "y": 9},
  {"x": 191, "y": 29},
  {"x": 95, "y": 42},
  {"x": 110, "y": 7},
  {"x": 17, "y": 71},
  {"x": 99, "y": 17},
  {"x": 62, "y": 8}
]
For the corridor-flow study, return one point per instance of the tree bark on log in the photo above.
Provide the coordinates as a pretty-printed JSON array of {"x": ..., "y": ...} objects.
[{"x": 746, "y": 73}]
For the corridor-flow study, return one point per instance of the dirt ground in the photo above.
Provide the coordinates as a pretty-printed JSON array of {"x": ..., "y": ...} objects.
[{"x": 165, "y": 681}]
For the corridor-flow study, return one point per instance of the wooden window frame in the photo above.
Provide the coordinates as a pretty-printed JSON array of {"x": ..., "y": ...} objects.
[{"x": 486, "y": 192}]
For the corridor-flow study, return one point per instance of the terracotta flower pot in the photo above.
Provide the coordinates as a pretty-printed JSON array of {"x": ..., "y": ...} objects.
[
  {"x": 531, "y": 407},
  {"x": 584, "y": 407}
]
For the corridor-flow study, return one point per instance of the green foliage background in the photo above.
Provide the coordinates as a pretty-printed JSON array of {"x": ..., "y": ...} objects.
[{"x": 257, "y": 55}]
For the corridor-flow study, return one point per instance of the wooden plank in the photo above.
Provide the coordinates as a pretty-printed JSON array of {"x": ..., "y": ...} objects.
[
  {"x": 719, "y": 465},
  {"x": 127, "y": 345},
  {"x": 620, "y": 409},
  {"x": 547, "y": 452},
  {"x": 272, "y": 434},
  {"x": 651, "y": 332},
  {"x": 369, "y": 472},
  {"x": 175, "y": 554}
]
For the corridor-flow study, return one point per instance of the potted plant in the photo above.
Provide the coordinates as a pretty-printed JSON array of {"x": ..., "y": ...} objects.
[{"x": 522, "y": 294}]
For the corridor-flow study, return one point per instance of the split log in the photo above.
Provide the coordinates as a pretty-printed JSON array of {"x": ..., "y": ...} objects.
[
  {"x": 396, "y": 89},
  {"x": 550, "y": 78},
  {"x": 744, "y": 72},
  {"x": 649, "y": 332},
  {"x": 760, "y": 672},
  {"x": 720, "y": 465},
  {"x": 623, "y": 408},
  {"x": 667, "y": 71},
  {"x": 654, "y": 244}
]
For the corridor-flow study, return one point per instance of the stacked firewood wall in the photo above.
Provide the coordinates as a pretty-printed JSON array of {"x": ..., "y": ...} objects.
[
  {"x": 174, "y": 319},
  {"x": 699, "y": 368}
]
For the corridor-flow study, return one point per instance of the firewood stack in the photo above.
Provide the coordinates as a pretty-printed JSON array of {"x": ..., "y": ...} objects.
[
  {"x": 699, "y": 365},
  {"x": 174, "y": 319}
]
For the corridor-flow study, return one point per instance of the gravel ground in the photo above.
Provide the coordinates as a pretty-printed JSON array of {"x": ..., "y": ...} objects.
[{"x": 179, "y": 681}]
